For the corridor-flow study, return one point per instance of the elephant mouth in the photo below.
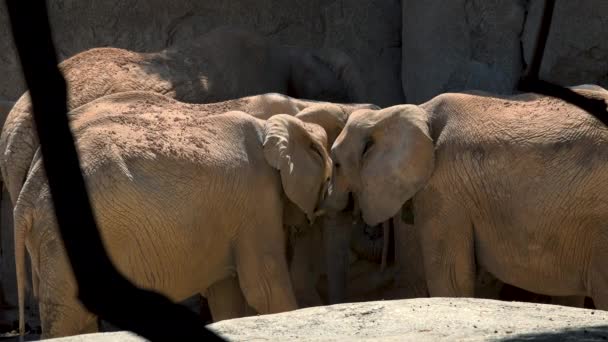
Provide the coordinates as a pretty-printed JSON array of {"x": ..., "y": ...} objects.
[
  {"x": 350, "y": 203},
  {"x": 368, "y": 242}
]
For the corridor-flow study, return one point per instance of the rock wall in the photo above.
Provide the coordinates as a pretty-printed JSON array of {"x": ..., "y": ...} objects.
[
  {"x": 409, "y": 50},
  {"x": 368, "y": 31},
  {"x": 486, "y": 44}
]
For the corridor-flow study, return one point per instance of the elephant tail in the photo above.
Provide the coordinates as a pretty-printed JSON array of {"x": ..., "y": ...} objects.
[{"x": 22, "y": 226}]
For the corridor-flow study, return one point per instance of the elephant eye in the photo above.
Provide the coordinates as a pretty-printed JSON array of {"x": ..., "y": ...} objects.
[{"x": 368, "y": 144}]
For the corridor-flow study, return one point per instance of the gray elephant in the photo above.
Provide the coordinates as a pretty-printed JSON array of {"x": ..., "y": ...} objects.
[
  {"x": 515, "y": 185},
  {"x": 310, "y": 269},
  {"x": 158, "y": 174},
  {"x": 226, "y": 63}
]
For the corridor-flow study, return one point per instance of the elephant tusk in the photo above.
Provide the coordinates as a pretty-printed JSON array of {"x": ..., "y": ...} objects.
[
  {"x": 311, "y": 218},
  {"x": 320, "y": 212}
]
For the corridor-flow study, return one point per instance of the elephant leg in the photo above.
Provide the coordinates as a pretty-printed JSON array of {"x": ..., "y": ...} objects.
[
  {"x": 61, "y": 313},
  {"x": 487, "y": 286},
  {"x": 305, "y": 266},
  {"x": 598, "y": 274},
  {"x": 337, "y": 235},
  {"x": 410, "y": 281},
  {"x": 262, "y": 270},
  {"x": 367, "y": 282},
  {"x": 447, "y": 247},
  {"x": 572, "y": 301},
  {"x": 60, "y": 318},
  {"x": 226, "y": 300}
]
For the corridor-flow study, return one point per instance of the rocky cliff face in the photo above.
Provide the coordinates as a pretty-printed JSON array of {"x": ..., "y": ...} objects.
[
  {"x": 486, "y": 44},
  {"x": 408, "y": 50},
  {"x": 369, "y": 31}
]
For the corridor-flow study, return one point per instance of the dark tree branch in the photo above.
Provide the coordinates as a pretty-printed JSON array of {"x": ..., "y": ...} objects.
[{"x": 102, "y": 289}]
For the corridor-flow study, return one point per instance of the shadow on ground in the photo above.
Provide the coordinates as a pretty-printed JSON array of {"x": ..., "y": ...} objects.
[{"x": 592, "y": 333}]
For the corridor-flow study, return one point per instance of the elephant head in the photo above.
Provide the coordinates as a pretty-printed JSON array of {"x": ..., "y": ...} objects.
[
  {"x": 381, "y": 159},
  {"x": 327, "y": 115},
  {"x": 326, "y": 75},
  {"x": 298, "y": 150}
]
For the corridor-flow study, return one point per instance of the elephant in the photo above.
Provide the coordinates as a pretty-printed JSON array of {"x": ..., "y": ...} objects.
[
  {"x": 226, "y": 63},
  {"x": 158, "y": 174},
  {"x": 310, "y": 269},
  {"x": 265, "y": 105},
  {"x": 513, "y": 185}
]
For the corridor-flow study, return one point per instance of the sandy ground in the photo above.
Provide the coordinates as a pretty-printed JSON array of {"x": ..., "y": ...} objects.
[{"x": 424, "y": 319}]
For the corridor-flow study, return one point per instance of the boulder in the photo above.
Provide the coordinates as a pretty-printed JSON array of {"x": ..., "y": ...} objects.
[
  {"x": 460, "y": 44},
  {"x": 424, "y": 319},
  {"x": 428, "y": 319},
  {"x": 487, "y": 44},
  {"x": 577, "y": 49}
]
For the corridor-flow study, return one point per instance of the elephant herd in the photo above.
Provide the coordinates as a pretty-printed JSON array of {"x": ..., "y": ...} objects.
[{"x": 254, "y": 174}]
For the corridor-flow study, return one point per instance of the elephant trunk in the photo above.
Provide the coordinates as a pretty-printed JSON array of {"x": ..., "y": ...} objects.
[
  {"x": 368, "y": 242},
  {"x": 336, "y": 235}
]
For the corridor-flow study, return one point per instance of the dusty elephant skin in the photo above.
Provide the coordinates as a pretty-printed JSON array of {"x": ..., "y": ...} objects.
[
  {"x": 522, "y": 176},
  {"x": 226, "y": 63},
  {"x": 317, "y": 259},
  {"x": 158, "y": 174}
]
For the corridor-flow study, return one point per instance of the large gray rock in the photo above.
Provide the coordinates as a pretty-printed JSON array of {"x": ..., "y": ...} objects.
[
  {"x": 486, "y": 45},
  {"x": 368, "y": 31},
  {"x": 577, "y": 48},
  {"x": 460, "y": 44},
  {"x": 429, "y": 319},
  {"x": 5, "y": 107}
]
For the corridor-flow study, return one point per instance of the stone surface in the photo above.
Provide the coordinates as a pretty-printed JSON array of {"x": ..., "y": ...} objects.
[
  {"x": 577, "y": 49},
  {"x": 119, "y": 336},
  {"x": 368, "y": 31},
  {"x": 429, "y": 319},
  {"x": 486, "y": 45},
  {"x": 5, "y": 107},
  {"x": 460, "y": 44}
]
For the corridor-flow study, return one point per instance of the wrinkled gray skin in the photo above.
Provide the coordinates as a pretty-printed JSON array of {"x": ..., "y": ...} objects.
[
  {"x": 226, "y": 63},
  {"x": 308, "y": 261},
  {"x": 224, "y": 296},
  {"x": 141, "y": 151},
  {"x": 513, "y": 185}
]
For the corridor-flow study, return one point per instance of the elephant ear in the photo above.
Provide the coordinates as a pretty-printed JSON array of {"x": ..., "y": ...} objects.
[
  {"x": 327, "y": 115},
  {"x": 398, "y": 159},
  {"x": 298, "y": 151}
]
